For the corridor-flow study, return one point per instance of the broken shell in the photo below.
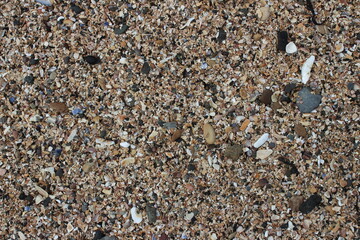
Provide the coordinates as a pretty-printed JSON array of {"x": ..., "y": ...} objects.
[
  {"x": 136, "y": 217},
  {"x": 264, "y": 13},
  {"x": 339, "y": 48},
  {"x": 262, "y": 154},
  {"x": 291, "y": 48},
  {"x": 261, "y": 140},
  {"x": 209, "y": 133},
  {"x": 306, "y": 69},
  {"x": 127, "y": 161}
]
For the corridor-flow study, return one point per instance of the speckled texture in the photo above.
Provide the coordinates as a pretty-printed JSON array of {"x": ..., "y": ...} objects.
[{"x": 85, "y": 140}]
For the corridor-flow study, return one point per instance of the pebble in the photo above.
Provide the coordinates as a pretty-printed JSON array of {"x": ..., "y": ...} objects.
[
  {"x": 87, "y": 167},
  {"x": 29, "y": 79},
  {"x": 2, "y": 171},
  {"x": 282, "y": 40},
  {"x": 307, "y": 101},
  {"x": 45, "y": 2},
  {"x": 343, "y": 183},
  {"x": 221, "y": 36},
  {"x": 265, "y": 97},
  {"x": 261, "y": 140},
  {"x": 264, "y": 13},
  {"x": 209, "y": 133},
  {"x": 176, "y": 135},
  {"x": 339, "y": 48},
  {"x": 291, "y": 48},
  {"x": 310, "y": 203},
  {"x": 300, "y": 130},
  {"x": 244, "y": 125},
  {"x": 306, "y": 69},
  {"x": 189, "y": 216},
  {"x": 58, "y": 107},
  {"x": 151, "y": 213},
  {"x": 295, "y": 202},
  {"x": 92, "y": 60},
  {"x": 234, "y": 151},
  {"x": 136, "y": 217},
  {"x": 127, "y": 161},
  {"x": 76, "y": 8},
  {"x": 145, "y": 68},
  {"x": 77, "y": 111},
  {"x": 262, "y": 154},
  {"x": 125, "y": 144},
  {"x": 121, "y": 30}
]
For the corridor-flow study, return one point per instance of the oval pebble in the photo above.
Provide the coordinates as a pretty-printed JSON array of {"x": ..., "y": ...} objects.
[
  {"x": 261, "y": 140},
  {"x": 209, "y": 133}
]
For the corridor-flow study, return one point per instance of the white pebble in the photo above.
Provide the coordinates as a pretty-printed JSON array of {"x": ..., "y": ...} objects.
[
  {"x": 123, "y": 60},
  {"x": 136, "y": 217},
  {"x": 291, "y": 48},
  {"x": 125, "y": 144},
  {"x": 45, "y": 2},
  {"x": 306, "y": 69},
  {"x": 261, "y": 140},
  {"x": 72, "y": 135}
]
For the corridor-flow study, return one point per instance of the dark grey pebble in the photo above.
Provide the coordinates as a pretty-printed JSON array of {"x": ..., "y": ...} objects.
[
  {"x": 146, "y": 68},
  {"x": 76, "y": 8},
  {"x": 29, "y": 79},
  {"x": 221, "y": 36},
  {"x": 121, "y": 30},
  {"x": 310, "y": 203},
  {"x": 307, "y": 101},
  {"x": 151, "y": 213},
  {"x": 92, "y": 60}
]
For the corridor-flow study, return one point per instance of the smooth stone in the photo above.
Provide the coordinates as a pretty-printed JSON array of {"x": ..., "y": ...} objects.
[
  {"x": 310, "y": 203},
  {"x": 136, "y": 217},
  {"x": 307, "y": 101},
  {"x": 209, "y": 133},
  {"x": 234, "y": 151},
  {"x": 121, "y": 30},
  {"x": 300, "y": 130},
  {"x": 265, "y": 97},
  {"x": 261, "y": 140},
  {"x": 295, "y": 202},
  {"x": 146, "y": 68},
  {"x": 282, "y": 40},
  {"x": 92, "y": 60},
  {"x": 151, "y": 213}
]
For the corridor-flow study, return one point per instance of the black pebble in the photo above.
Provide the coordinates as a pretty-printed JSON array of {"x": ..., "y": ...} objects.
[
  {"x": 98, "y": 235},
  {"x": 22, "y": 196},
  {"x": 266, "y": 97},
  {"x": 351, "y": 86},
  {"x": 34, "y": 61},
  {"x": 103, "y": 134},
  {"x": 289, "y": 87},
  {"x": 151, "y": 213},
  {"x": 146, "y": 68},
  {"x": 221, "y": 36},
  {"x": 282, "y": 40},
  {"x": 310, "y": 203},
  {"x": 92, "y": 60},
  {"x": 121, "y": 30},
  {"x": 76, "y": 8},
  {"x": 29, "y": 79},
  {"x": 46, "y": 202},
  {"x": 191, "y": 167},
  {"x": 59, "y": 172}
]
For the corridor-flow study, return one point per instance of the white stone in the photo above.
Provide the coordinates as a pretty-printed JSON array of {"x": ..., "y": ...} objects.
[
  {"x": 123, "y": 60},
  {"x": 306, "y": 69},
  {"x": 136, "y": 217},
  {"x": 291, "y": 48},
  {"x": 45, "y": 2},
  {"x": 72, "y": 135},
  {"x": 189, "y": 216},
  {"x": 262, "y": 154},
  {"x": 261, "y": 140},
  {"x": 125, "y": 144}
]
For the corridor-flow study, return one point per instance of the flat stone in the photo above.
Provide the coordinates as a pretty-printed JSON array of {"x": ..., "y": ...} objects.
[
  {"x": 151, "y": 213},
  {"x": 307, "y": 101},
  {"x": 282, "y": 40},
  {"x": 121, "y": 30},
  {"x": 295, "y": 202},
  {"x": 92, "y": 60},
  {"x": 262, "y": 154},
  {"x": 265, "y": 97},
  {"x": 310, "y": 203},
  {"x": 300, "y": 130},
  {"x": 146, "y": 68},
  {"x": 221, "y": 36},
  {"x": 233, "y": 151}
]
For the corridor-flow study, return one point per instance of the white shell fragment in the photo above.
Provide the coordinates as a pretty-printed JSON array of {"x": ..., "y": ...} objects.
[
  {"x": 291, "y": 48},
  {"x": 306, "y": 69},
  {"x": 125, "y": 144},
  {"x": 72, "y": 135},
  {"x": 261, "y": 140},
  {"x": 262, "y": 154},
  {"x": 187, "y": 23},
  {"x": 136, "y": 217},
  {"x": 127, "y": 161},
  {"x": 123, "y": 61},
  {"x": 45, "y": 2}
]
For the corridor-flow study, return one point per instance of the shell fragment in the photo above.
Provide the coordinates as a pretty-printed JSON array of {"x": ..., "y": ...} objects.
[
  {"x": 261, "y": 140},
  {"x": 136, "y": 217},
  {"x": 306, "y": 69}
]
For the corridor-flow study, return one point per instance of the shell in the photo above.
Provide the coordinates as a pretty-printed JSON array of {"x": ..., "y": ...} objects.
[
  {"x": 306, "y": 69},
  {"x": 291, "y": 48},
  {"x": 261, "y": 140},
  {"x": 136, "y": 217},
  {"x": 262, "y": 154}
]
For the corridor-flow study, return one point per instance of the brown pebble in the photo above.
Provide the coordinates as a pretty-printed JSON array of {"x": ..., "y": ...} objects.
[
  {"x": 343, "y": 183},
  {"x": 233, "y": 152},
  {"x": 58, "y": 106},
  {"x": 209, "y": 133},
  {"x": 295, "y": 202},
  {"x": 265, "y": 97},
  {"x": 300, "y": 130},
  {"x": 176, "y": 135},
  {"x": 263, "y": 182},
  {"x": 244, "y": 125}
]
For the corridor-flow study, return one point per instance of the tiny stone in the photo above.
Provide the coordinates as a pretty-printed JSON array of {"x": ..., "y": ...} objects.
[
  {"x": 272, "y": 145},
  {"x": 310, "y": 203},
  {"x": 59, "y": 172},
  {"x": 266, "y": 97},
  {"x": 121, "y": 30},
  {"x": 282, "y": 40},
  {"x": 76, "y": 8},
  {"x": 307, "y": 101},
  {"x": 233, "y": 151},
  {"x": 263, "y": 182},
  {"x": 300, "y": 130},
  {"x": 146, "y": 68},
  {"x": 191, "y": 167},
  {"x": 289, "y": 87},
  {"x": 92, "y": 60},
  {"x": 98, "y": 235},
  {"x": 209, "y": 133},
  {"x": 151, "y": 213},
  {"x": 262, "y": 154},
  {"x": 291, "y": 48},
  {"x": 295, "y": 202},
  {"x": 29, "y": 79},
  {"x": 46, "y": 202},
  {"x": 221, "y": 36},
  {"x": 58, "y": 107}
]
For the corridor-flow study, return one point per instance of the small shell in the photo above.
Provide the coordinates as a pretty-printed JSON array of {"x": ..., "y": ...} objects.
[
  {"x": 262, "y": 154},
  {"x": 306, "y": 69},
  {"x": 125, "y": 144},
  {"x": 209, "y": 133},
  {"x": 339, "y": 48},
  {"x": 136, "y": 217},
  {"x": 261, "y": 140},
  {"x": 291, "y": 48},
  {"x": 127, "y": 161}
]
